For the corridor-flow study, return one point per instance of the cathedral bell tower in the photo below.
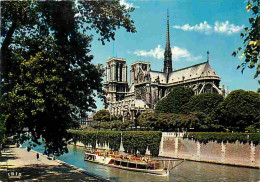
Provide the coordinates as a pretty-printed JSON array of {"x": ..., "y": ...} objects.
[
  {"x": 167, "y": 52},
  {"x": 116, "y": 80}
]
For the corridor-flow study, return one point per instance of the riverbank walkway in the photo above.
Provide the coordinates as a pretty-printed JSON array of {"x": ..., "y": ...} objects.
[{"x": 17, "y": 164}]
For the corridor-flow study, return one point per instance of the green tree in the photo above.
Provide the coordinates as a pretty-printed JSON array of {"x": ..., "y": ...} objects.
[
  {"x": 46, "y": 53},
  {"x": 251, "y": 36},
  {"x": 204, "y": 107},
  {"x": 14, "y": 16},
  {"x": 102, "y": 115},
  {"x": 194, "y": 121},
  {"x": 175, "y": 100},
  {"x": 146, "y": 120},
  {"x": 206, "y": 102},
  {"x": 239, "y": 110}
]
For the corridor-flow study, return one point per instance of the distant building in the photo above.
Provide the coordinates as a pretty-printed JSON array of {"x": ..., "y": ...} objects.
[
  {"x": 83, "y": 119},
  {"x": 90, "y": 118},
  {"x": 147, "y": 86}
]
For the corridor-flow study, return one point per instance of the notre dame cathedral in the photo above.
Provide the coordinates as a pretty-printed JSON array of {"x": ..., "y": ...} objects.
[{"x": 147, "y": 86}]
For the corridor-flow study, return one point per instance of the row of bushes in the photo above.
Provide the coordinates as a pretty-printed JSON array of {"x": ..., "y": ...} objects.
[
  {"x": 205, "y": 137},
  {"x": 133, "y": 141},
  {"x": 91, "y": 137},
  {"x": 141, "y": 140}
]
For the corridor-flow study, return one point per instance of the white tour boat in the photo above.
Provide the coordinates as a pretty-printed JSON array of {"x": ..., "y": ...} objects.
[{"x": 130, "y": 162}]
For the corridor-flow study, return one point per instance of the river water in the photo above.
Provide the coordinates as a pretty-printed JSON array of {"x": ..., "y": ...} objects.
[{"x": 187, "y": 171}]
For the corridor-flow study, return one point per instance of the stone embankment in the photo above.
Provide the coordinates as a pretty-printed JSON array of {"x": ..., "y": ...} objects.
[
  {"x": 173, "y": 145},
  {"x": 18, "y": 164}
]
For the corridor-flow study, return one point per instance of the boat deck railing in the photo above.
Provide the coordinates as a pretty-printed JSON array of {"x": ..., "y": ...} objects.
[{"x": 154, "y": 163}]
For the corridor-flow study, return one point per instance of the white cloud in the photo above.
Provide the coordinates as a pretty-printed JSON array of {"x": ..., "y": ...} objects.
[
  {"x": 156, "y": 53},
  {"x": 202, "y": 27},
  {"x": 127, "y": 5},
  {"x": 225, "y": 27},
  {"x": 177, "y": 54},
  {"x": 219, "y": 27}
]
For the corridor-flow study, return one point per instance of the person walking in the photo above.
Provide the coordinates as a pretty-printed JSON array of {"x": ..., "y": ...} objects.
[{"x": 37, "y": 156}]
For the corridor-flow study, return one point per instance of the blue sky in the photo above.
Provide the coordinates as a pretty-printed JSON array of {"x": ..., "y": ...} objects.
[{"x": 196, "y": 26}]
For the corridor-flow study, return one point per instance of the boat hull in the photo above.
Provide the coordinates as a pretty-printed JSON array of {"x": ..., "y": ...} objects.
[{"x": 161, "y": 172}]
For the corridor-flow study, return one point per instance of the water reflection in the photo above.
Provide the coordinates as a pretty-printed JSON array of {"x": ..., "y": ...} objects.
[{"x": 187, "y": 171}]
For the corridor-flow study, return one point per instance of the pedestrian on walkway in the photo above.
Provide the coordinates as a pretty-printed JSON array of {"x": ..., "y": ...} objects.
[{"x": 37, "y": 156}]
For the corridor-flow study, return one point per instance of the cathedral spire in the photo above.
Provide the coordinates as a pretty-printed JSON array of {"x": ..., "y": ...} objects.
[
  {"x": 167, "y": 51},
  {"x": 168, "y": 45}
]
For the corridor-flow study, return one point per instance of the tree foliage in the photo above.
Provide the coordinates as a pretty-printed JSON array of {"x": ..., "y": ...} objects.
[
  {"x": 102, "y": 115},
  {"x": 46, "y": 53},
  {"x": 168, "y": 122},
  {"x": 175, "y": 100},
  {"x": 113, "y": 125},
  {"x": 251, "y": 36},
  {"x": 239, "y": 110},
  {"x": 206, "y": 102}
]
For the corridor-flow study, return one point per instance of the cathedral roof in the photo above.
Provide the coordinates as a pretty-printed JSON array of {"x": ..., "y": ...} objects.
[
  {"x": 154, "y": 75},
  {"x": 201, "y": 70}
]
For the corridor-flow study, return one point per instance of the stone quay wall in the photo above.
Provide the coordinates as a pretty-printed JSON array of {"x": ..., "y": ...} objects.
[{"x": 175, "y": 146}]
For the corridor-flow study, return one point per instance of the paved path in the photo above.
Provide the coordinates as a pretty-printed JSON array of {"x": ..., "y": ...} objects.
[
  {"x": 20, "y": 157},
  {"x": 16, "y": 164}
]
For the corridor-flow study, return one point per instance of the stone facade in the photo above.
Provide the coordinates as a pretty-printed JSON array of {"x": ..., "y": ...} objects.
[
  {"x": 147, "y": 86},
  {"x": 116, "y": 80}
]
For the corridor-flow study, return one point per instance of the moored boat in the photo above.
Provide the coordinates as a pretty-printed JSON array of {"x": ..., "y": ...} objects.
[{"x": 128, "y": 162}]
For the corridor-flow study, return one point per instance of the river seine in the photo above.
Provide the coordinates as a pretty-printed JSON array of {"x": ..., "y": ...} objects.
[{"x": 187, "y": 171}]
